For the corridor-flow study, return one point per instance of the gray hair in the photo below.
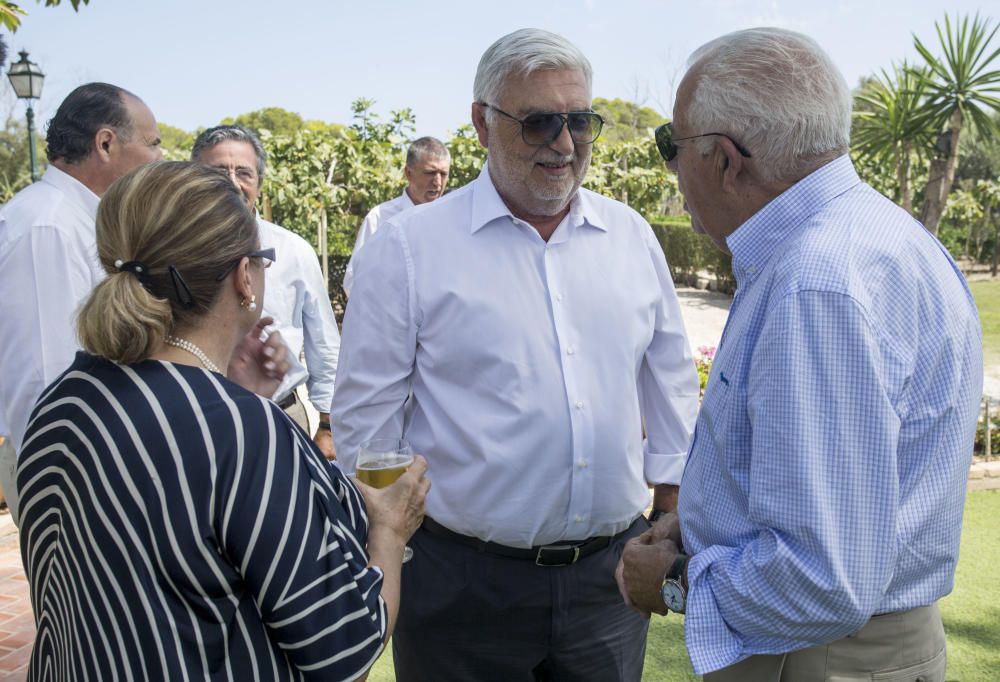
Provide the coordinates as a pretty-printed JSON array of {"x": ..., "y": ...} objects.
[
  {"x": 424, "y": 147},
  {"x": 213, "y": 136},
  {"x": 777, "y": 93},
  {"x": 522, "y": 53}
]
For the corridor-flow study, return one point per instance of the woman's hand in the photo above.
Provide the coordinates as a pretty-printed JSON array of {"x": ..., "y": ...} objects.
[
  {"x": 260, "y": 362},
  {"x": 398, "y": 509}
]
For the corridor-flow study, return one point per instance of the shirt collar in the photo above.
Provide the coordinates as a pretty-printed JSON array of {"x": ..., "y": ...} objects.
[
  {"x": 755, "y": 241},
  {"x": 487, "y": 206},
  {"x": 77, "y": 192},
  {"x": 405, "y": 198}
]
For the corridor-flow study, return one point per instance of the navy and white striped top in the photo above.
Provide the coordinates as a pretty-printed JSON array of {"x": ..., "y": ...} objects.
[{"x": 175, "y": 526}]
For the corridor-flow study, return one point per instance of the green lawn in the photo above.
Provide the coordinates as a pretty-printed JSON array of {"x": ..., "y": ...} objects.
[
  {"x": 971, "y": 613},
  {"x": 987, "y": 294}
]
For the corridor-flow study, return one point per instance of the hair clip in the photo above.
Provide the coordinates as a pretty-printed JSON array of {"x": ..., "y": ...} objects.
[{"x": 181, "y": 290}]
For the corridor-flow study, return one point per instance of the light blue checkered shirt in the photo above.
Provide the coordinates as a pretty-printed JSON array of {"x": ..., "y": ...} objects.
[{"x": 827, "y": 474}]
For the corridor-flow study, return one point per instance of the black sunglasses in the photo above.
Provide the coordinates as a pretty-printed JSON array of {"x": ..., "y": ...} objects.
[
  {"x": 267, "y": 255},
  {"x": 539, "y": 129},
  {"x": 666, "y": 142}
]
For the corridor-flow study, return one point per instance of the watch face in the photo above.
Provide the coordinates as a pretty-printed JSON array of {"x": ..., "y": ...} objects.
[{"x": 673, "y": 596}]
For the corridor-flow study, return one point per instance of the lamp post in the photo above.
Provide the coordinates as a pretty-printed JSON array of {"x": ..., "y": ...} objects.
[{"x": 26, "y": 79}]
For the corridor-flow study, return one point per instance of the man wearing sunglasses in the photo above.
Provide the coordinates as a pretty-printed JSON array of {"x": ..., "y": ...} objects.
[
  {"x": 296, "y": 293},
  {"x": 821, "y": 510},
  {"x": 520, "y": 332}
]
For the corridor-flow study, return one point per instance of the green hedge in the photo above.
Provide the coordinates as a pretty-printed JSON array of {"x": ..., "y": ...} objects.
[{"x": 689, "y": 253}]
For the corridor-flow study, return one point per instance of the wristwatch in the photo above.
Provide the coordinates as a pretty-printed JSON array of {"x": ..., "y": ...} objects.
[
  {"x": 654, "y": 515},
  {"x": 673, "y": 592}
]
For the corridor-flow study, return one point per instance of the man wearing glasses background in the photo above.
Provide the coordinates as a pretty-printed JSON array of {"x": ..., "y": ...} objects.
[
  {"x": 821, "y": 507},
  {"x": 520, "y": 332},
  {"x": 296, "y": 295}
]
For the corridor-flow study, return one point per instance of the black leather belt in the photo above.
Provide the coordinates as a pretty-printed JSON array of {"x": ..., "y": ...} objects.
[
  {"x": 287, "y": 401},
  {"x": 556, "y": 554}
]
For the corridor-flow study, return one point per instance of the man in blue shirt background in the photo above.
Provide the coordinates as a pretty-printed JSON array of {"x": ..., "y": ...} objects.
[{"x": 821, "y": 506}]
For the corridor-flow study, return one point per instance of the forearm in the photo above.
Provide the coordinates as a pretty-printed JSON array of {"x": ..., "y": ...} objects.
[
  {"x": 665, "y": 497},
  {"x": 385, "y": 550}
]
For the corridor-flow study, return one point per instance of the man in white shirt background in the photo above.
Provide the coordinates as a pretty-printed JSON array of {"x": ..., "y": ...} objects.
[
  {"x": 428, "y": 163},
  {"x": 521, "y": 333},
  {"x": 296, "y": 295},
  {"x": 48, "y": 252}
]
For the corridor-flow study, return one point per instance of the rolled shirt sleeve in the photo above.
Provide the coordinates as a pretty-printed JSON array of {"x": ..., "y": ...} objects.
[
  {"x": 668, "y": 384},
  {"x": 321, "y": 340}
]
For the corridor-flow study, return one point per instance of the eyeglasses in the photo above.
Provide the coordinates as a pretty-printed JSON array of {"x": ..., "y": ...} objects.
[
  {"x": 267, "y": 257},
  {"x": 666, "y": 142},
  {"x": 542, "y": 129}
]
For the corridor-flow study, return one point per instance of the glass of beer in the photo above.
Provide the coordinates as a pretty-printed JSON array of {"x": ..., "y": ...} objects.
[{"x": 381, "y": 461}]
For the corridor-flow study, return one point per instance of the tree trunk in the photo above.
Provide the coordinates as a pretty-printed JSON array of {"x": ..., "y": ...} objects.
[
  {"x": 905, "y": 189},
  {"x": 942, "y": 176},
  {"x": 996, "y": 247}
]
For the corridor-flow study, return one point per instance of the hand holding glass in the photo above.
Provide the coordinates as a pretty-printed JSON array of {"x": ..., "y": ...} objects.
[{"x": 381, "y": 461}]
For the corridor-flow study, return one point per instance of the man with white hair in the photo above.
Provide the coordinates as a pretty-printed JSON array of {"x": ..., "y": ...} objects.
[
  {"x": 428, "y": 164},
  {"x": 821, "y": 507},
  {"x": 519, "y": 333}
]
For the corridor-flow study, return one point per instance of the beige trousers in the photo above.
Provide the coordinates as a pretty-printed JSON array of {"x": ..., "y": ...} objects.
[
  {"x": 908, "y": 646},
  {"x": 297, "y": 411}
]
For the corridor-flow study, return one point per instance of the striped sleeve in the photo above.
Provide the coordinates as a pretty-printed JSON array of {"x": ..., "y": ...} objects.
[{"x": 295, "y": 530}]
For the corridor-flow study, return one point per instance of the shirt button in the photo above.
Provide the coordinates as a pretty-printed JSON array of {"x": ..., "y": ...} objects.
[
  {"x": 579, "y": 404},
  {"x": 570, "y": 350},
  {"x": 559, "y": 298},
  {"x": 583, "y": 464},
  {"x": 579, "y": 519}
]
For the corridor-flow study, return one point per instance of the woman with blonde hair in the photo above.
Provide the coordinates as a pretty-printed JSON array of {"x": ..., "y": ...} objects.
[{"x": 174, "y": 524}]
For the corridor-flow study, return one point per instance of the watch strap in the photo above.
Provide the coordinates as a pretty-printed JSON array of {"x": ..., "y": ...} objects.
[{"x": 677, "y": 568}]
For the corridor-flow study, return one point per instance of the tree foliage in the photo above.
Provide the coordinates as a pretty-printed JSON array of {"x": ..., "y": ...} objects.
[
  {"x": 963, "y": 85},
  {"x": 626, "y": 121},
  {"x": 11, "y": 13}
]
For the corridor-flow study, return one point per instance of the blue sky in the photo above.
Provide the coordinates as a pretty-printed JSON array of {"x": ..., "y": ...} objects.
[{"x": 197, "y": 61}]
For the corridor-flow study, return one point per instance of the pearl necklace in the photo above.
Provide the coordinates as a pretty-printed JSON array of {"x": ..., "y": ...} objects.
[{"x": 184, "y": 344}]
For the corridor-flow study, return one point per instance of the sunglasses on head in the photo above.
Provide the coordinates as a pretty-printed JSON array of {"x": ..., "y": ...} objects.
[
  {"x": 538, "y": 129},
  {"x": 666, "y": 142}
]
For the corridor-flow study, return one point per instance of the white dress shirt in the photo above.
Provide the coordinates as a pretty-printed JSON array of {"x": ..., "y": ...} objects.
[
  {"x": 376, "y": 217},
  {"x": 296, "y": 297},
  {"x": 533, "y": 365},
  {"x": 48, "y": 266}
]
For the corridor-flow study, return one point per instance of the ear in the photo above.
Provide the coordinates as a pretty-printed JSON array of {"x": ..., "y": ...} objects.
[
  {"x": 731, "y": 165},
  {"x": 242, "y": 280},
  {"x": 104, "y": 141},
  {"x": 408, "y": 172},
  {"x": 479, "y": 121}
]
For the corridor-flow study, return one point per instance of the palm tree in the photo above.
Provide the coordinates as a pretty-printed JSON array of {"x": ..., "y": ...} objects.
[
  {"x": 960, "y": 90},
  {"x": 892, "y": 123}
]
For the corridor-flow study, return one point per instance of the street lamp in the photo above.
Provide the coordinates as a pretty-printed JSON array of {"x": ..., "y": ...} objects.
[{"x": 26, "y": 79}]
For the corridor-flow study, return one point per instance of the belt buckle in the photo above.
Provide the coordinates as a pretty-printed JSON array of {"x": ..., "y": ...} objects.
[{"x": 554, "y": 549}]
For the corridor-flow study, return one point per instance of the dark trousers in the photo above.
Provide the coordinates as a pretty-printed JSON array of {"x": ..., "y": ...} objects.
[{"x": 468, "y": 616}]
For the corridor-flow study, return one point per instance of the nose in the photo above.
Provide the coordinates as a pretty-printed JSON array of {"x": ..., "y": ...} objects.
[{"x": 564, "y": 143}]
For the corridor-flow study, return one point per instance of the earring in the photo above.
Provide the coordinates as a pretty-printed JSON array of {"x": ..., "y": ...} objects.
[{"x": 250, "y": 305}]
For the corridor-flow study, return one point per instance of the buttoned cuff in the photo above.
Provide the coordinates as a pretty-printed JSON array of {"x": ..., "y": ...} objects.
[
  {"x": 662, "y": 467},
  {"x": 711, "y": 644}
]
